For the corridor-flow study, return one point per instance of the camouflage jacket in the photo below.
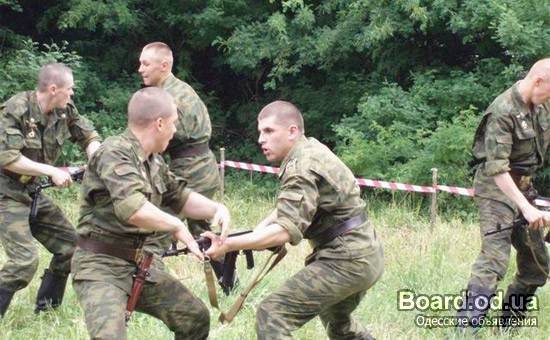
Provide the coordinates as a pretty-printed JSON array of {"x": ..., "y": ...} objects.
[
  {"x": 25, "y": 130},
  {"x": 511, "y": 136},
  {"x": 318, "y": 191},
  {"x": 118, "y": 181},
  {"x": 193, "y": 127}
]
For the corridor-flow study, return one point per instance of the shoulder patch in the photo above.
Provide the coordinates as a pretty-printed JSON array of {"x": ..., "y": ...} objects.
[
  {"x": 291, "y": 166},
  {"x": 17, "y": 105}
]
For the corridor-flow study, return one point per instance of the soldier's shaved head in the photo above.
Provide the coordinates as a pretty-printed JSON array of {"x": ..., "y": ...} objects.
[
  {"x": 541, "y": 69},
  {"x": 161, "y": 52},
  {"x": 148, "y": 104},
  {"x": 54, "y": 73},
  {"x": 535, "y": 87},
  {"x": 285, "y": 114}
]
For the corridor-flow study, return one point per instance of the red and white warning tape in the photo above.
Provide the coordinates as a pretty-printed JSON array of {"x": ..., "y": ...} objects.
[
  {"x": 251, "y": 167},
  {"x": 393, "y": 185},
  {"x": 374, "y": 183}
]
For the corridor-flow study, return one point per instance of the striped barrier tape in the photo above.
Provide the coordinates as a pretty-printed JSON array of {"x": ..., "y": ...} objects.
[{"x": 375, "y": 183}]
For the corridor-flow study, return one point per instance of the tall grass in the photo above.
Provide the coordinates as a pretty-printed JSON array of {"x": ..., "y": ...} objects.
[{"x": 417, "y": 257}]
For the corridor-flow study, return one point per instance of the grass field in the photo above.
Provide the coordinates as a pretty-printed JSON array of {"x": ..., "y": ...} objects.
[{"x": 417, "y": 257}]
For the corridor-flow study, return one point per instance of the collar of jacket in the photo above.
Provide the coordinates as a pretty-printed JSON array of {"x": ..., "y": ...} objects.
[{"x": 291, "y": 153}]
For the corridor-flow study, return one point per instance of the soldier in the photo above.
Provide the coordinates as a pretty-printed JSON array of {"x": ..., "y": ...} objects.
[
  {"x": 33, "y": 127},
  {"x": 125, "y": 184},
  {"x": 190, "y": 156},
  {"x": 510, "y": 145},
  {"x": 319, "y": 200}
]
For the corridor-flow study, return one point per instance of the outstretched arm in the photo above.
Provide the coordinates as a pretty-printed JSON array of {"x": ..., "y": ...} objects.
[
  {"x": 534, "y": 216},
  {"x": 270, "y": 236}
]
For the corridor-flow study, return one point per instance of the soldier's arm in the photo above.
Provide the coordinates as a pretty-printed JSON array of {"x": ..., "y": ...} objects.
[
  {"x": 267, "y": 220},
  {"x": 534, "y": 216},
  {"x": 269, "y": 236},
  {"x": 296, "y": 205},
  {"x": 195, "y": 205},
  {"x": 25, "y": 166},
  {"x": 11, "y": 143},
  {"x": 498, "y": 147},
  {"x": 150, "y": 217},
  {"x": 92, "y": 148},
  {"x": 200, "y": 208},
  {"x": 82, "y": 131}
]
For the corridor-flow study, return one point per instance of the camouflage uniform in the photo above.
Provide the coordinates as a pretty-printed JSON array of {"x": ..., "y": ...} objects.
[
  {"x": 25, "y": 130},
  {"x": 510, "y": 138},
  {"x": 200, "y": 170},
  {"x": 118, "y": 181},
  {"x": 317, "y": 193}
]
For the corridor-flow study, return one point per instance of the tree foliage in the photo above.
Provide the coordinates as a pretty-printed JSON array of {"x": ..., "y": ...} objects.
[{"x": 396, "y": 87}]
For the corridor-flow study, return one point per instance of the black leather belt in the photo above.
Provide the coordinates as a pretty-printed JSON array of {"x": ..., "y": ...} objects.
[
  {"x": 338, "y": 230},
  {"x": 100, "y": 247},
  {"x": 189, "y": 151}
]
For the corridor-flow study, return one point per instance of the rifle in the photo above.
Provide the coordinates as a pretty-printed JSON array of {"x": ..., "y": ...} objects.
[
  {"x": 230, "y": 260},
  {"x": 229, "y": 272},
  {"x": 76, "y": 172},
  {"x": 521, "y": 222}
]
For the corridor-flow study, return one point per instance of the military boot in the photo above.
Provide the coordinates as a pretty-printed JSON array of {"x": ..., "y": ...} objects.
[
  {"x": 51, "y": 291},
  {"x": 514, "y": 306},
  {"x": 5, "y": 299},
  {"x": 474, "y": 307}
]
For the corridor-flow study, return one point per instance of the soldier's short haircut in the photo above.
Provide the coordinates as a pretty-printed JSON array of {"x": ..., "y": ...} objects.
[
  {"x": 285, "y": 114},
  {"x": 162, "y": 51},
  {"x": 540, "y": 69},
  {"x": 53, "y": 73},
  {"x": 148, "y": 104}
]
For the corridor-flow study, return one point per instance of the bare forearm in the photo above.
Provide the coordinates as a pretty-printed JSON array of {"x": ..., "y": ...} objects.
[
  {"x": 506, "y": 184},
  {"x": 199, "y": 207},
  {"x": 150, "y": 217},
  {"x": 91, "y": 148},
  {"x": 26, "y": 166},
  {"x": 272, "y": 235},
  {"x": 268, "y": 219}
]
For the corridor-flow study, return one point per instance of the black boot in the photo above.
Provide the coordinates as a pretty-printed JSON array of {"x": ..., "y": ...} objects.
[
  {"x": 5, "y": 299},
  {"x": 475, "y": 306},
  {"x": 514, "y": 306},
  {"x": 51, "y": 291}
]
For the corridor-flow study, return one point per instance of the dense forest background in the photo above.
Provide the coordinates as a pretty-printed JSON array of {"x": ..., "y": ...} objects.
[{"x": 395, "y": 87}]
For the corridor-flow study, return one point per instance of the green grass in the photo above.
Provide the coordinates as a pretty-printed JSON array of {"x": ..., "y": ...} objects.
[{"x": 428, "y": 261}]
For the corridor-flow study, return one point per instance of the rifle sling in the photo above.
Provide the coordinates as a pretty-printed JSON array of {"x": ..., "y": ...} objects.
[
  {"x": 227, "y": 317},
  {"x": 210, "y": 284}
]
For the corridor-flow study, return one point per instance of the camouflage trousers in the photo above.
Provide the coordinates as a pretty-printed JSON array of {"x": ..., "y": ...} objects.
[
  {"x": 329, "y": 288},
  {"x": 104, "y": 306},
  {"x": 492, "y": 262},
  {"x": 51, "y": 229}
]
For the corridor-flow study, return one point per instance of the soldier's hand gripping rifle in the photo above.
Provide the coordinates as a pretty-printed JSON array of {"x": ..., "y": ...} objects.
[
  {"x": 521, "y": 222},
  {"x": 229, "y": 263},
  {"x": 76, "y": 172}
]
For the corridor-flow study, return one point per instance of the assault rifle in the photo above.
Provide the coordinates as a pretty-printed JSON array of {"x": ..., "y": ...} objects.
[
  {"x": 76, "y": 172},
  {"x": 229, "y": 263},
  {"x": 521, "y": 222}
]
